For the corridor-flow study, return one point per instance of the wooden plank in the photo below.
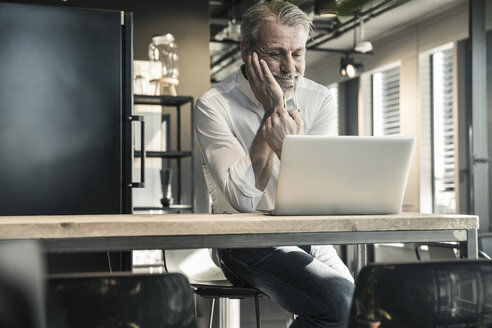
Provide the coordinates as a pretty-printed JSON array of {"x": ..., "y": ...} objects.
[{"x": 82, "y": 226}]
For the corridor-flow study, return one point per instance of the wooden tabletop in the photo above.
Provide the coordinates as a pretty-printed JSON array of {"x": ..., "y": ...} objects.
[{"x": 94, "y": 226}]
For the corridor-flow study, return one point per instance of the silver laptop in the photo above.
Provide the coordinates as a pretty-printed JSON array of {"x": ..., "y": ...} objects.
[{"x": 322, "y": 175}]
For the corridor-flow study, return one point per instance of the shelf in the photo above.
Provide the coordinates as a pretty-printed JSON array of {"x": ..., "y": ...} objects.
[
  {"x": 177, "y": 155},
  {"x": 162, "y": 100},
  {"x": 164, "y": 154}
]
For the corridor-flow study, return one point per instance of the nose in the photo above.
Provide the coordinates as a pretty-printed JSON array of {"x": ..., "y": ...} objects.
[{"x": 287, "y": 65}]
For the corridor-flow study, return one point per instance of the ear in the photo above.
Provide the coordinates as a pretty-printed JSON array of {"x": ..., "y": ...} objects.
[{"x": 244, "y": 51}]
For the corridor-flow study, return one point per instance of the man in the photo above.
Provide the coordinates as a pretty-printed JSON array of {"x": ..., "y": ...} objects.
[{"x": 241, "y": 123}]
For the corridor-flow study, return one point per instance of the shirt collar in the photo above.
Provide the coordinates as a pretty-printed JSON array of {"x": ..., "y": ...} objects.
[{"x": 246, "y": 89}]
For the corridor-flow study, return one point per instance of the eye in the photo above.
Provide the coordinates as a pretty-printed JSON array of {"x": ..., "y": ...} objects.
[
  {"x": 274, "y": 54},
  {"x": 297, "y": 55}
]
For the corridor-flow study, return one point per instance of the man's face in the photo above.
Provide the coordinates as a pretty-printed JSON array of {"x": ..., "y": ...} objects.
[{"x": 283, "y": 48}]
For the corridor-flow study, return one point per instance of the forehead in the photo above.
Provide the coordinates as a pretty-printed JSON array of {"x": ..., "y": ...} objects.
[{"x": 274, "y": 34}]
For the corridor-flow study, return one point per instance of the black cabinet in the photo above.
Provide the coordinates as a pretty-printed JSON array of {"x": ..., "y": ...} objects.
[
  {"x": 176, "y": 153},
  {"x": 63, "y": 109}
]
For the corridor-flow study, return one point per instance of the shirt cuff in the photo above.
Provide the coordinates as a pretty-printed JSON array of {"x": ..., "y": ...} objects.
[{"x": 243, "y": 177}]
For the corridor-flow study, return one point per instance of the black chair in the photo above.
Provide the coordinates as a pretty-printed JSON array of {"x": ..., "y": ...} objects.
[
  {"x": 217, "y": 291},
  {"x": 22, "y": 299},
  {"x": 120, "y": 300},
  {"x": 424, "y": 294},
  {"x": 207, "y": 280}
]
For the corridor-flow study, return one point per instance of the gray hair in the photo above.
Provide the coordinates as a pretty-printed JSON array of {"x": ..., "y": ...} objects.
[{"x": 276, "y": 10}]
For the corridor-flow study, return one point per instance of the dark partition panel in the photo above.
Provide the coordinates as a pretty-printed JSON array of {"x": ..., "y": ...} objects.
[{"x": 61, "y": 110}]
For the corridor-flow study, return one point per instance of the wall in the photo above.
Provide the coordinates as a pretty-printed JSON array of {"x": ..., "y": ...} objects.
[
  {"x": 187, "y": 20},
  {"x": 405, "y": 45}
]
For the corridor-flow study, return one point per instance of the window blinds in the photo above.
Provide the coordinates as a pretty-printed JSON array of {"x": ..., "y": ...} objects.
[
  {"x": 386, "y": 102},
  {"x": 443, "y": 131}
]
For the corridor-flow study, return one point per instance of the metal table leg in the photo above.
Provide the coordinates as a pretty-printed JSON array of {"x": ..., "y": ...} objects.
[
  {"x": 471, "y": 246},
  {"x": 360, "y": 258}
]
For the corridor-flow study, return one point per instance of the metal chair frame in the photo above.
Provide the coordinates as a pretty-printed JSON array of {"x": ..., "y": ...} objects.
[
  {"x": 215, "y": 291},
  {"x": 222, "y": 289}
]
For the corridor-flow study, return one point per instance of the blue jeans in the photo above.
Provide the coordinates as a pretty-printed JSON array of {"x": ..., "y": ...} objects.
[{"x": 311, "y": 282}]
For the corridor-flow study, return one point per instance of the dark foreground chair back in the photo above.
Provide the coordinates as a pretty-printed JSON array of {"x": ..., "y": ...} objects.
[
  {"x": 424, "y": 294},
  {"x": 121, "y": 300},
  {"x": 22, "y": 271}
]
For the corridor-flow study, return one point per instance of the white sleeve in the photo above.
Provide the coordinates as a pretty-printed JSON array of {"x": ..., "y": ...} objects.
[{"x": 228, "y": 162}]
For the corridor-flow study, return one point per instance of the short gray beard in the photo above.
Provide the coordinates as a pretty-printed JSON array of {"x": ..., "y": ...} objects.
[{"x": 285, "y": 87}]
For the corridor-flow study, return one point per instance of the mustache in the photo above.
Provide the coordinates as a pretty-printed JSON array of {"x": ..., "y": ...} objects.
[{"x": 286, "y": 75}]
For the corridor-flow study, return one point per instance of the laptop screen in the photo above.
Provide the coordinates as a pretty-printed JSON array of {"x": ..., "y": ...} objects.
[{"x": 322, "y": 175}]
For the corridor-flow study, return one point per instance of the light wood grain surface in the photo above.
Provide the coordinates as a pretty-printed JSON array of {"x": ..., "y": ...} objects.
[{"x": 77, "y": 226}]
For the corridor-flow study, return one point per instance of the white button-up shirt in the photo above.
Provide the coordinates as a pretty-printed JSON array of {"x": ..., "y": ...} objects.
[{"x": 227, "y": 119}]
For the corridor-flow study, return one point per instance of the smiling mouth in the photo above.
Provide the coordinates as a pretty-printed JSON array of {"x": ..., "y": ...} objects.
[
  {"x": 286, "y": 77},
  {"x": 286, "y": 80}
]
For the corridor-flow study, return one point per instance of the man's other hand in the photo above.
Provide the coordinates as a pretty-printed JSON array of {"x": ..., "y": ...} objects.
[
  {"x": 296, "y": 116},
  {"x": 280, "y": 124}
]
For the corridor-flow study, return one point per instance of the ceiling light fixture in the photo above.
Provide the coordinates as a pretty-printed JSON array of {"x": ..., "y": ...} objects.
[
  {"x": 349, "y": 68},
  {"x": 326, "y": 8},
  {"x": 361, "y": 45}
]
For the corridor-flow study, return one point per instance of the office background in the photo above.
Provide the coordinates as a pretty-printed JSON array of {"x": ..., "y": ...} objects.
[{"x": 402, "y": 56}]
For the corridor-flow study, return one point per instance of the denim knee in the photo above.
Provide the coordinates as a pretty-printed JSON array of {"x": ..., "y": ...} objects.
[
  {"x": 338, "y": 300},
  {"x": 344, "y": 300}
]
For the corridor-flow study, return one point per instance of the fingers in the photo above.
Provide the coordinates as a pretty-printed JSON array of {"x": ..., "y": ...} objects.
[
  {"x": 259, "y": 65},
  {"x": 289, "y": 118},
  {"x": 281, "y": 110},
  {"x": 270, "y": 83},
  {"x": 283, "y": 113},
  {"x": 256, "y": 65},
  {"x": 266, "y": 70},
  {"x": 251, "y": 71},
  {"x": 263, "y": 84},
  {"x": 280, "y": 117},
  {"x": 256, "y": 70},
  {"x": 295, "y": 114},
  {"x": 274, "y": 120},
  {"x": 263, "y": 74},
  {"x": 267, "y": 128}
]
